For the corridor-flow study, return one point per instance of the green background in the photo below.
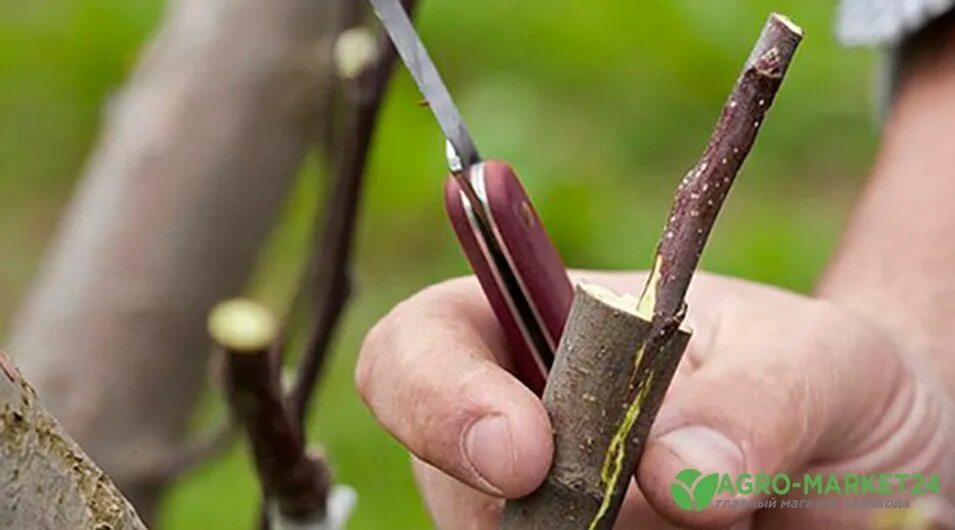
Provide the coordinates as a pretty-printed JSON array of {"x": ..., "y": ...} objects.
[{"x": 601, "y": 106}]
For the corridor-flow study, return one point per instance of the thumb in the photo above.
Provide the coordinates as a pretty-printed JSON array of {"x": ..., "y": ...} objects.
[{"x": 779, "y": 385}]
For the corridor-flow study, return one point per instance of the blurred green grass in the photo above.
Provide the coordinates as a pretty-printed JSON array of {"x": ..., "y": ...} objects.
[{"x": 601, "y": 108}]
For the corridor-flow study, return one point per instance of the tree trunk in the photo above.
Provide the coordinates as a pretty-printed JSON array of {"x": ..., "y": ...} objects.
[
  {"x": 196, "y": 157},
  {"x": 48, "y": 482}
]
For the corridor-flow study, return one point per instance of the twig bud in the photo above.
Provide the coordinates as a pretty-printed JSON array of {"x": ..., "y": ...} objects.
[{"x": 354, "y": 50}]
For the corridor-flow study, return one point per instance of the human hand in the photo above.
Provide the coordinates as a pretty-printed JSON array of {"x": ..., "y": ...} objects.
[{"x": 771, "y": 382}]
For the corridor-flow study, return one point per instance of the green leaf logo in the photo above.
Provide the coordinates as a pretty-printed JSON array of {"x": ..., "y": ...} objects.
[{"x": 692, "y": 491}]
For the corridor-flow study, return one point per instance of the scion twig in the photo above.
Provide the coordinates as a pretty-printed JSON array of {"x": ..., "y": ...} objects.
[{"x": 703, "y": 190}]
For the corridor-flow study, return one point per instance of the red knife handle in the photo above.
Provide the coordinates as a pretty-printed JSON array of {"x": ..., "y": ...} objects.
[{"x": 530, "y": 255}]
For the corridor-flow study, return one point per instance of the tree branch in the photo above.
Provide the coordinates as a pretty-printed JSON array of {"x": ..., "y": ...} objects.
[
  {"x": 328, "y": 272},
  {"x": 294, "y": 481},
  {"x": 168, "y": 466},
  {"x": 618, "y": 356},
  {"x": 602, "y": 394},
  {"x": 703, "y": 190}
]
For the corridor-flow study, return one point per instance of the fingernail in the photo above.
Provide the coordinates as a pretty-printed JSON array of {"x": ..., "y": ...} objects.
[
  {"x": 704, "y": 449},
  {"x": 490, "y": 450}
]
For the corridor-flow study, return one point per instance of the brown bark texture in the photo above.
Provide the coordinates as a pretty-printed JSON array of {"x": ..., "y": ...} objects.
[
  {"x": 703, "y": 190},
  {"x": 48, "y": 481},
  {"x": 328, "y": 274},
  {"x": 194, "y": 161},
  {"x": 602, "y": 395},
  {"x": 297, "y": 482}
]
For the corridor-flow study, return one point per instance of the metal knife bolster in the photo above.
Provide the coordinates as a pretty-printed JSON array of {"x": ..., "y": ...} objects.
[{"x": 518, "y": 267}]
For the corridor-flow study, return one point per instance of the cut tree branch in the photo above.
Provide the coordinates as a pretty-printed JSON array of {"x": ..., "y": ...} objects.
[
  {"x": 293, "y": 481},
  {"x": 602, "y": 394},
  {"x": 617, "y": 355}
]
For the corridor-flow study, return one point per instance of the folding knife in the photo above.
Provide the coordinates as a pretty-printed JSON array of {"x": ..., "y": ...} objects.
[{"x": 517, "y": 265}]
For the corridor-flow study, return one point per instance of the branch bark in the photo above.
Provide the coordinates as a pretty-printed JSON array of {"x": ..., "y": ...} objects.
[
  {"x": 296, "y": 482},
  {"x": 703, "y": 190},
  {"x": 617, "y": 356},
  {"x": 48, "y": 482},
  {"x": 328, "y": 271},
  {"x": 602, "y": 395},
  {"x": 194, "y": 161}
]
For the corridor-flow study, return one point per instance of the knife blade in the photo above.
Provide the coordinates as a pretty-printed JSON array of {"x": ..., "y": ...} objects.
[{"x": 396, "y": 22}]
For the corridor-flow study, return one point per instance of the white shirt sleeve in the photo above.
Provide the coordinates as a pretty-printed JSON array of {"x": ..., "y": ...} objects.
[{"x": 885, "y": 22}]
